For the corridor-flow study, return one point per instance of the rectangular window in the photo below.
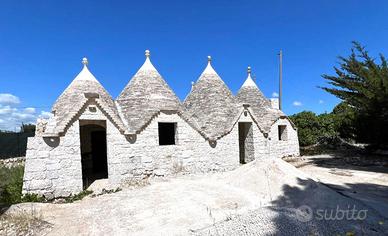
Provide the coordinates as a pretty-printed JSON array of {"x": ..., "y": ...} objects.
[
  {"x": 167, "y": 133},
  {"x": 282, "y": 132}
]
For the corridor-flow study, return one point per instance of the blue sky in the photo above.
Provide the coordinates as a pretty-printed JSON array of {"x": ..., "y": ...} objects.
[{"x": 42, "y": 44}]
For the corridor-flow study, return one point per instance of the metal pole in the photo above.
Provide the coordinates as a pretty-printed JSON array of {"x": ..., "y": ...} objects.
[{"x": 280, "y": 78}]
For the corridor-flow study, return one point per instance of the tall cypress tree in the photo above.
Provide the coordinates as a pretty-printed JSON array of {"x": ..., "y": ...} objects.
[{"x": 363, "y": 84}]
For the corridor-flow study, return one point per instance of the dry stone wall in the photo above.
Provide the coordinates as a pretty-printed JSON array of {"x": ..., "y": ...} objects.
[
  {"x": 287, "y": 147},
  {"x": 53, "y": 165}
]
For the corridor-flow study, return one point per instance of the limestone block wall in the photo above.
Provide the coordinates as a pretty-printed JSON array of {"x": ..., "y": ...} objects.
[
  {"x": 260, "y": 143},
  {"x": 191, "y": 153},
  {"x": 282, "y": 148},
  {"x": 53, "y": 165}
]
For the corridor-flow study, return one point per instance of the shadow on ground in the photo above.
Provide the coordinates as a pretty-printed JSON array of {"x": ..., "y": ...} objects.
[
  {"x": 352, "y": 161},
  {"x": 322, "y": 211},
  {"x": 308, "y": 208}
]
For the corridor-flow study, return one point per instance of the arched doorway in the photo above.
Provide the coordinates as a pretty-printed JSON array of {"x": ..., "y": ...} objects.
[{"x": 93, "y": 151}]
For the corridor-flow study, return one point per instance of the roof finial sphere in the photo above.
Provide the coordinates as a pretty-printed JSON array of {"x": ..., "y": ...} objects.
[
  {"x": 85, "y": 61},
  {"x": 209, "y": 58},
  {"x": 147, "y": 53},
  {"x": 249, "y": 70}
]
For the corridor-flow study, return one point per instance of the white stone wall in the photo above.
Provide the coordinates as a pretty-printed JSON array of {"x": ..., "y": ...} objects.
[
  {"x": 55, "y": 169},
  {"x": 53, "y": 165},
  {"x": 282, "y": 148},
  {"x": 260, "y": 143},
  {"x": 192, "y": 153}
]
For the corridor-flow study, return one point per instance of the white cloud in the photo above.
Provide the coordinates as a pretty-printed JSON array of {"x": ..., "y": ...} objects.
[
  {"x": 11, "y": 118},
  {"x": 23, "y": 116},
  {"x": 30, "y": 110},
  {"x": 275, "y": 95},
  {"x": 13, "y": 121},
  {"x": 297, "y": 103},
  {"x": 321, "y": 102},
  {"x": 8, "y": 99},
  {"x": 45, "y": 115},
  {"x": 6, "y": 110}
]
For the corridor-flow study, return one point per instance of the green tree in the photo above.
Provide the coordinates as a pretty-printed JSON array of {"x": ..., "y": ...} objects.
[
  {"x": 345, "y": 121},
  {"x": 327, "y": 125},
  {"x": 27, "y": 128},
  {"x": 308, "y": 127},
  {"x": 363, "y": 85}
]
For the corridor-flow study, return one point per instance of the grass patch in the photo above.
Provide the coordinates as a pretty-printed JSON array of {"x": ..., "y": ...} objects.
[
  {"x": 32, "y": 197},
  {"x": 11, "y": 183},
  {"x": 78, "y": 196},
  {"x": 106, "y": 191}
]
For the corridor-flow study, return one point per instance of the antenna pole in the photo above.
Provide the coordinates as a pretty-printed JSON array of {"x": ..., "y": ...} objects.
[{"x": 280, "y": 78}]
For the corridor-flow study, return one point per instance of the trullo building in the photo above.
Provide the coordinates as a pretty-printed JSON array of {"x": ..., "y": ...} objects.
[{"x": 148, "y": 131}]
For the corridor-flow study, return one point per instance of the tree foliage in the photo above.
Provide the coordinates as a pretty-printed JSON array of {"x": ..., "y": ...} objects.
[
  {"x": 344, "y": 121},
  {"x": 312, "y": 127},
  {"x": 11, "y": 182},
  {"x": 27, "y": 128},
  {"x": 362, "y": 84},
  {"x": 309, "y": 127}
]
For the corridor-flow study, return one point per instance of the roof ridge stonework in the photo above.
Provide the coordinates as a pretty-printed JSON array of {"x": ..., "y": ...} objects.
[
  {"x": 145, "y": 95},
  {"x": 211, "y": 104},
  {"x": 210, "y": 107},
  {"x": 249, "y": 93},
  {"x": 72, "y": 100}
]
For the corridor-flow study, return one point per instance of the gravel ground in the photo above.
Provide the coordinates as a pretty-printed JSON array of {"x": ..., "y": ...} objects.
[
  {"x": 284, "y": 221},
  {"x": 259, "y": 198},
  {"x": 357, "y": 176}
]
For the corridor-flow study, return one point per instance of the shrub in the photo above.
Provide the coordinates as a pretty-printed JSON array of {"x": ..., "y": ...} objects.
[
  {"x": 32, "y": 197},
  {"x": 312, "y": 128},
  {"x": 11, "y": 183},
  {"x": 78, "y": 196},
  {"x": 308, "y": 127}
]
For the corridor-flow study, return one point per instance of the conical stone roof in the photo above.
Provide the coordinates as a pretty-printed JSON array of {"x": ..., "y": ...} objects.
[
  {"x": 260, "y": 106},
  {"x": 211, "y": 104},
  {"x": 74, "y": 98},
  {"x": 249, "y": 93},
  {"x": 146, "y": 94}
]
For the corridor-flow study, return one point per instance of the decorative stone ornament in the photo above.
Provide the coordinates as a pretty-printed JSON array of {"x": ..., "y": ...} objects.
[{"x": 85, "y": 61}]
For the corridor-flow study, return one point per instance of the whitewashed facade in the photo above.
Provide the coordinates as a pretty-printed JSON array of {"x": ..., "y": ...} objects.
[{"x": 91, "y": 136}]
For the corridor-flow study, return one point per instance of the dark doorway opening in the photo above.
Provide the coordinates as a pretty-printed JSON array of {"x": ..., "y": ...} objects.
[
  {"x": 93, "y": 151},
  {"x": 167, "y": 133},
  {"x": 246, "y": 145}
]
